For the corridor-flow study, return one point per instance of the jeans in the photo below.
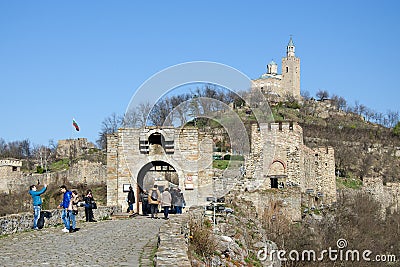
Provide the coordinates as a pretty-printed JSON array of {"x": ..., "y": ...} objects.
[
  {"x": 71, "y": 216},
  {"x": 166, "y": 209},
  {"x": 154, "y": 210},
  {"x": 65, "y": 218},
  {"x": 144, "y": 207},
  {"x": 178, "y": 209},
  {"x": 131, "y": 207},
  {"x": 89, "y": 214},
  {"x": 36, "y": 215}
]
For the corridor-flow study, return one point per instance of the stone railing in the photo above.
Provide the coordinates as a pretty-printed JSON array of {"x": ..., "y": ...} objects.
[
  {"x": 23, "y": 221},
  {"x": 172, "y": 242}
]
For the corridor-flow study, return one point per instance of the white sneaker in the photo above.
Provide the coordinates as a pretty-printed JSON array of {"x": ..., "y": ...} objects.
[{"x": 65, "y": 230}]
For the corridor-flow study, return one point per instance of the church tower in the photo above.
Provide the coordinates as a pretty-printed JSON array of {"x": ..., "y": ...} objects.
[{"x": 291, "y": 71}]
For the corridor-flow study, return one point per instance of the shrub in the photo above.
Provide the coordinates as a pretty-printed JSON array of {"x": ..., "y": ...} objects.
[
  {"x": 396, "y": 129},
  {"x": 202, "y": 239},
  {"x": 234, "y": 157}
]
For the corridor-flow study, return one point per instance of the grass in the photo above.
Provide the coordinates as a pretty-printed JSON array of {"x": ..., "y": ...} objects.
[
  {"x": 223, "y": 164},
  {"x": 351, "y": 183},
  {"x": 60, "y": 165}
]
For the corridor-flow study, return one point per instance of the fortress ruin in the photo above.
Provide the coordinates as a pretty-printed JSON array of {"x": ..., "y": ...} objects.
[{"x": 182, "y": 157}]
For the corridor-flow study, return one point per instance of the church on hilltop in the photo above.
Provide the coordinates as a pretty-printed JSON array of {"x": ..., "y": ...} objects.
[{"x": 276, "y": 86}]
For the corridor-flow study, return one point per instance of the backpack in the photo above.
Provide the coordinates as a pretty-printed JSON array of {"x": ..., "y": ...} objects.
[{"x": 154, "y": 195}]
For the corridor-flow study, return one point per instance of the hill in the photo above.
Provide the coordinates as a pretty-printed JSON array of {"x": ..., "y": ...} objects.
[{"x": 362, "y": 148}]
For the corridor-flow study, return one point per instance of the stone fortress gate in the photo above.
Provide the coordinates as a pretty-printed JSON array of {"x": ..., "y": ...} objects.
[{"x": 179, "y": 157}]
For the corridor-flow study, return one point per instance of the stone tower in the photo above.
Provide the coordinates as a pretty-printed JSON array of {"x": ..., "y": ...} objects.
[{"x": 291, "y": 71}]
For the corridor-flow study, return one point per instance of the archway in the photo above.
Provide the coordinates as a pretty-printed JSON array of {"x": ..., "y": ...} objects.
[
  {"x": 277, "y": 173},
  {"x": 161, "y": 173}
]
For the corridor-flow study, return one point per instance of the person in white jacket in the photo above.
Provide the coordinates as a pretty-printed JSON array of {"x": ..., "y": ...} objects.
[{"x": 166, "y": 200}]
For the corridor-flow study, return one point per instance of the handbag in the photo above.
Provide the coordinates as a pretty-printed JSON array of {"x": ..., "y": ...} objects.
[{"x": 93, "y": 205}]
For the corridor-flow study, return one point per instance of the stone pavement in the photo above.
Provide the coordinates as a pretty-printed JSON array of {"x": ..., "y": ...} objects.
[{"x": 103, "y": 243}]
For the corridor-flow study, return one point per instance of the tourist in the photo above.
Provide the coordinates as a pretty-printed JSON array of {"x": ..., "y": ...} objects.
[
  {"x": 179, "y": 201},
  {"x": 144, "y": 198},
  {"x": 37, "y": 203},
  {"x": 173, "y": 192},
  {"x": 131, "y": 199},
  {"x": 64, "y": 205},
  {"x": 89, "y": 200},
  {"x": 73, "y": 211},
  {"x": 166, "y": 202},
  {"x": 154, "y": 196}
]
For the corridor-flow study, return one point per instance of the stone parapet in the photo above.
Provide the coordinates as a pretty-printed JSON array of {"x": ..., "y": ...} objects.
[
  {"x": 172, "y": 242},
  {"x": 14, "y": 223}
]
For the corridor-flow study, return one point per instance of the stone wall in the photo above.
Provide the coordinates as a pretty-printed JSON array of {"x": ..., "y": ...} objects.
[
  {"x": 278, "y": 152},
  {"x": 286, "y": 201},
  {"x": 387, "y": 195},
  {"x": 14, "y": 223},
  {"x": 10, "y": 169},
  {"x": 82, "y": 172},
  {"x": 172, "y": 242}
]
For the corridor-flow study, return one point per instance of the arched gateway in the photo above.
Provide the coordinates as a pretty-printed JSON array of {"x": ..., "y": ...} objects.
[{"x": 173, "y": 157}]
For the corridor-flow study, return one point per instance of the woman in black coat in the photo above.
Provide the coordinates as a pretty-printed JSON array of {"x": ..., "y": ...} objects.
[
  {"x": 89, "y": 200},
  {"x": 131, "y": 199}
]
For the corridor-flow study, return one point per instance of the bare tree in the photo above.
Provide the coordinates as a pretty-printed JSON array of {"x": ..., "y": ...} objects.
[
  {"x": 3, "y": 148},
  {"x": 160, "y": 112},
  {"x": 143, "y": 110},
  {"x": 131, "y": 118},
  {"x": 109, "y": 125},
  {"x": 322, "y": 95},
  {"x": 305, "y": 94},
  {"x": 362, "y": 109},
  {"x": 339, "y": 102},
  {"x": 392, "y": 118}
]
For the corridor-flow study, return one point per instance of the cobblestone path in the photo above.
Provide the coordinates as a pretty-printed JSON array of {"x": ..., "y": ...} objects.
[{"x": 103, "y": 243}]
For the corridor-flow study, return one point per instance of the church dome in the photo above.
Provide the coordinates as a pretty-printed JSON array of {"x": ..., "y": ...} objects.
[{"x": 272, "y": 63}]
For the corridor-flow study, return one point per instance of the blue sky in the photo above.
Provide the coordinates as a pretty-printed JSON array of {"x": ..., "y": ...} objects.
[{"x": 84, "y": 59}]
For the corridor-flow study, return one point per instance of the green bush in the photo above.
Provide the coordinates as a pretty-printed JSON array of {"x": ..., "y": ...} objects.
[
  {"x": 39, "y": 169},
  {"x": 396, "y": 129},
  {"x": 234, "y": 157}
]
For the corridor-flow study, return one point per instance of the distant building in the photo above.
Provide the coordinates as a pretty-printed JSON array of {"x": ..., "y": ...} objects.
[
  {"x": 10, "y": 170},
  {"x": 10, "y": 166},
  {"x": 73, "y": 147},
  {"x": 276, "y": 86}
]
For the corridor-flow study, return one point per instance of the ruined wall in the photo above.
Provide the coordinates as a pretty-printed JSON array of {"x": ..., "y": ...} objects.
[
  {"x": 387, "y": 195},
  {"x": 287, "y": 200},
  {"x": 81, "y": 172},
  {"x": 73, "y": 147},
  {"x": 277, "y": 151},
  {"x": 10, "y": 170}
]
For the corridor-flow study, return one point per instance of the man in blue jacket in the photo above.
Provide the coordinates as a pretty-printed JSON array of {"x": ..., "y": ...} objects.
[
  {"x": 37, "y": 203},
  {"x": 64, "y": 205}
]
